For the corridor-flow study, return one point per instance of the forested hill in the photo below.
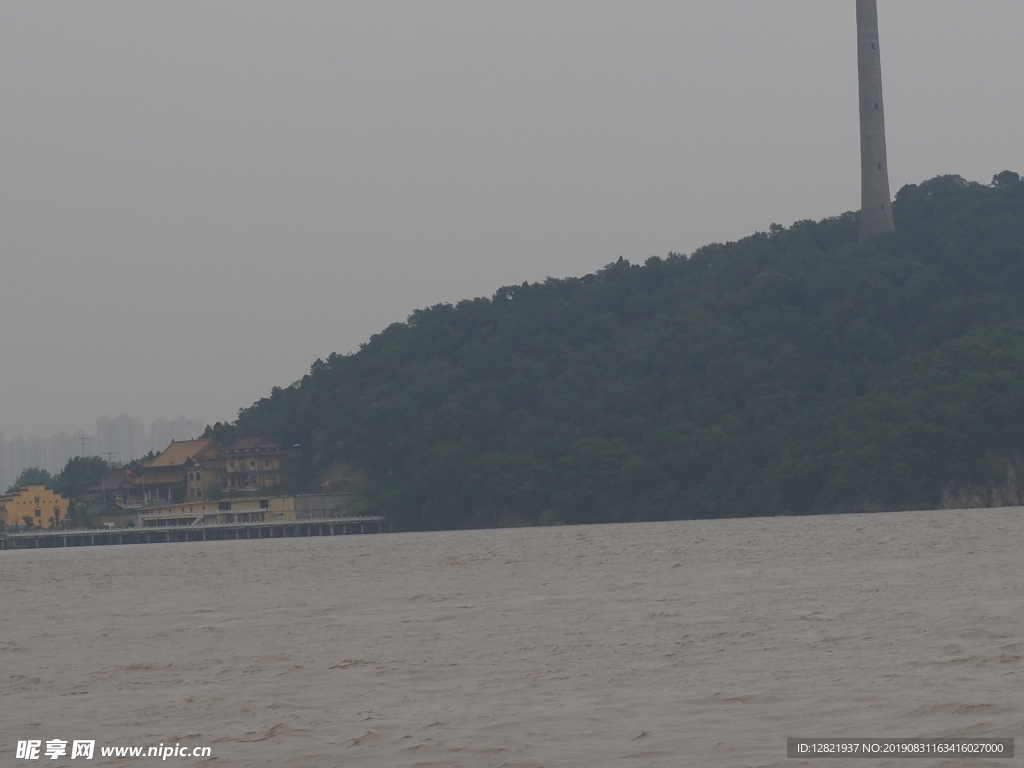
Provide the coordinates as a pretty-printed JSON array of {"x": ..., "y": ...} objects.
[{"x": 790, "y": 372}]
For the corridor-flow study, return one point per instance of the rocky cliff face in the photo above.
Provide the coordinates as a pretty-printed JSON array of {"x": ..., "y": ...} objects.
[
  {"x": 1005, "y": 490},
  {"x": 340, "y": 477}
]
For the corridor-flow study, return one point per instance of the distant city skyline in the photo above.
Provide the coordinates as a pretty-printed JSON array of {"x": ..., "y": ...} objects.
[{"x": 118, "y": 439}]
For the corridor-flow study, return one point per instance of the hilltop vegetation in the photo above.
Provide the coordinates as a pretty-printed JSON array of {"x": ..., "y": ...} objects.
[
  {"x": 79, "y": 473},
  {"x": 790, "y": 372}
]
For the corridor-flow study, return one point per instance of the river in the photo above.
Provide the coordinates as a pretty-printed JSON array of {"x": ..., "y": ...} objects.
[{"x": 701, "y": 643}]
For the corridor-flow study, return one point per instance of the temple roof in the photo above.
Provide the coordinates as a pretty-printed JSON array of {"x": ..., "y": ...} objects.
[{"x": 178, "y": 453}]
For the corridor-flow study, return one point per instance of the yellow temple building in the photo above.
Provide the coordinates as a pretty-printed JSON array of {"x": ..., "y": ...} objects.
[{"x": 42, "y": 508}]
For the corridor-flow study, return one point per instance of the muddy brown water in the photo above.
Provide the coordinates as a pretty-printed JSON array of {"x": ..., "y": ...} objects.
[{"x": 671, "y": 644}]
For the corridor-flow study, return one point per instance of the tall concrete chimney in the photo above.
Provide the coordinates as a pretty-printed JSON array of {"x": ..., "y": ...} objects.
[{"x": 875, "y": 203}]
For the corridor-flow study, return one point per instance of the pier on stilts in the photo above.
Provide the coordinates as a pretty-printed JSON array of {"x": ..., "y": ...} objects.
[{"x": 279, "y": 529}]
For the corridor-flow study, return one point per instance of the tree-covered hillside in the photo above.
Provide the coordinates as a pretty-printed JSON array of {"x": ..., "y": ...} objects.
[{"x": 790, "y": 372}]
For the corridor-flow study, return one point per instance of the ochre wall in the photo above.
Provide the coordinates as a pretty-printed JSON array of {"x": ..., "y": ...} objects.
[{"x": 23, "y": 503}]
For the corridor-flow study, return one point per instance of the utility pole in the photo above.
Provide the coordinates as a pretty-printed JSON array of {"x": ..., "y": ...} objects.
[
  {"x": 875, "y": 202},
  {"x": 110, "y": 455},
  {"x": 82, "y": 441}
]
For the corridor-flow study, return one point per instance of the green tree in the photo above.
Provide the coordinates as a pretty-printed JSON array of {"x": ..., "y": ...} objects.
[
  {"x": 31, "y": 476},
  {"x": 222, "y": 433},
  {"x": 77, "y": 517},
  {"x": 79, "y": 473}
]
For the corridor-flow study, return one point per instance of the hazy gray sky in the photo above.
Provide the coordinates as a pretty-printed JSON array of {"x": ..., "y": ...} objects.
[{"x": 199, "y": 199}]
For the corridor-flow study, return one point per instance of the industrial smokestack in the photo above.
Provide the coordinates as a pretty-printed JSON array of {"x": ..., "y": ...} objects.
[{"x": 875, "y": 203}]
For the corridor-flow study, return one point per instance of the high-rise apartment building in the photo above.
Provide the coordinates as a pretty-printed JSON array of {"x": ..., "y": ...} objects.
[
  {"x": 163, "y": 431},
  {"x": 121, "y": 439}
]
